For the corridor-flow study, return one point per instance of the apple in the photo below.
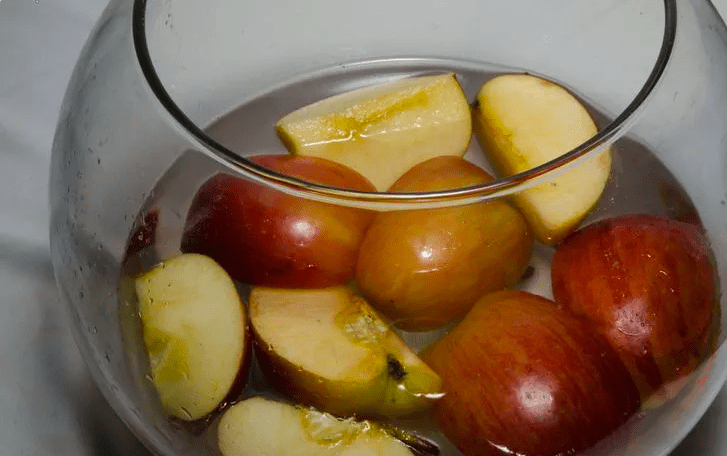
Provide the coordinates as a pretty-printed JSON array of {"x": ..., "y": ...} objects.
[
  {"x": 262, "y": 427},
  {"x": 331, "y": 350},
  {"x": 648, "y": 286},
  {"x": 523, "y": 121},
  {"x": 194, "y": 331},
  {"x": 383, "y": 130},
  {"x": 424, "y": 268},
  {"x": 522, "y": 376},
  {"x": 264, "y": 237}
]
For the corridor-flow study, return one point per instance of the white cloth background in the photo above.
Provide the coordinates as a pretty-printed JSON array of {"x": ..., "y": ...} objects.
[{"x": 48, "y": 404}]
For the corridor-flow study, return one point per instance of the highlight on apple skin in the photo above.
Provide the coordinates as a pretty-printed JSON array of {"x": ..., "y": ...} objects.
[
  {"x": 522, "y": 376},
  {"x": 648, "y": 285},
  {"x": 262, "y": 236}
]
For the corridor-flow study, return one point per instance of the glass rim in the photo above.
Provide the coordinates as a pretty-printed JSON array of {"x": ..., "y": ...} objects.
[{"x": 498, "y": 187}]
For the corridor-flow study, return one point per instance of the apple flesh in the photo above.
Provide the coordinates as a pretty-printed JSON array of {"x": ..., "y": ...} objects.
[
  {"x": 424, "y": 268},
  {"x": 522, "y": 376},
  {"x": 331, "y": 350},
  {"x": 648, "y": 285},
  {"x": 381, "y": 131},
  {"x": 194, "y": 330},
  {"x": 264, "y": 237},
  {"x": 523, "y": 121},
  {"x": 261, "y": 427}
]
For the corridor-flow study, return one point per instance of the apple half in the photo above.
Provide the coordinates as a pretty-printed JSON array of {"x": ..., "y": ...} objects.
[
  {"x": 331, "y": 350},
  {"x": 194, "y": 330},
  {"x": 382, "y": 131},
  {"x": 260, "y": 427},
  {"x": 523, "y": 121}
]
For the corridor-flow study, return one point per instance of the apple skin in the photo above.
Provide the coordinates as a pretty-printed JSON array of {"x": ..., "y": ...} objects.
[
  {"x": 329, "y": 349},
  {"x": 264, "y": 237},
  {"x": 424, "y": 268},
  {"x": 522, "y": 376},
  {"x": 648, "y": 286}
]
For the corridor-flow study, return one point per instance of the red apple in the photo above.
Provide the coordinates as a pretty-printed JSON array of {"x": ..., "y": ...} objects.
[
  {"x": 648, "y": 285},
  {"x": 264, "y": 237},
  {"x": 522, "y": 376},
  {"x": 424, "y": 268}
]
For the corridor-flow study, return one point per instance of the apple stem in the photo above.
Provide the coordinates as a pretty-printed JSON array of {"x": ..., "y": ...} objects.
[{"x": 419, "y": 445}]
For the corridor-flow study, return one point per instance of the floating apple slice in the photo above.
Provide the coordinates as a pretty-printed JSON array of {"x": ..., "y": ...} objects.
[
  {"x": 262, "y": 427},
  {"x": 382, "y": 131},
  {"x": 522, "y": 122},
  {"x": 194, "y": 330},
  {"x": 331, "y": 350}
]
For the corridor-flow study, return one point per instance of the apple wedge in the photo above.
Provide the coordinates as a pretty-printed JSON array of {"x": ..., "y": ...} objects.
[
  {"x": 523, "y": 121},
  {"x": 194, "y": 330},
  {"x": 263, "y": 427},
  {"x": 381, "y": 131},
  {"x": 331, "y": 350}
]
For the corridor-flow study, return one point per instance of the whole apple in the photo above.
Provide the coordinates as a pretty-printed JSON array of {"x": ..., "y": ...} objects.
[
  {"x": 262, "y": 236},
  {"x": 522, "y": 376},
  {"x": 649, "y": 286},
  {"x": 424, "y": 268}
]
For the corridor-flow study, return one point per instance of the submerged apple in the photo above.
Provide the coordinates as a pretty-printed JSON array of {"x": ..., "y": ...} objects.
[
  {"x": 648, "y": 285},
  {"x": 522, "y": 376},
  {"x": 523, "y": 121},
  {"x": 423, "y": 268},
  {"x": 262, "y": 236},
  {"x": 262, "y": 427},
  {"x": 331, "y": 350},
  {"x": 194, "y": 330}
]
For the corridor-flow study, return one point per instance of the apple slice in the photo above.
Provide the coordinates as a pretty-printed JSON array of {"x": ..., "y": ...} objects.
[
  {"x": 262, "y": 427},
  {"x": 523, "y": 121},
  {"x": 194, "y": 330},
  {"x": 331, "y": 350},
  {"x": 382, "y": 131}
]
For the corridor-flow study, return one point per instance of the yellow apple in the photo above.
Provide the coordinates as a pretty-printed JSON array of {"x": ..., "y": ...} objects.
[
  {"x": 523, "y": 121},
  {"x": 425, "y": 268},
  {"x": 331, "y": 350},
  {"x": 381, "y": 131},
  {"x": 261, "y": 427},
  {"x": 194, "y": 331}
]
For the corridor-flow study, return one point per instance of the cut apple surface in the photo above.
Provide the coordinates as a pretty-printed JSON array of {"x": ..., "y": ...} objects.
[
  {"x": 523, "y": 121},
  {"x": 382, "y": 131},
  {"x": 194, "y": 330},
  {"x": 262, "y": 427},
  {"x": 331, "y": 350}
]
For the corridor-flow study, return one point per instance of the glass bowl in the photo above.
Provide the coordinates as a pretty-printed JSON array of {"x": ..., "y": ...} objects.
[{"x": 167, "y": 94}]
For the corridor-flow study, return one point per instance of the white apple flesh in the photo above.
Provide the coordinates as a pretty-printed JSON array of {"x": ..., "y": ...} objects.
[
  {"x": 194, "y": 331},
  {"x": 331, "y": 350},
  {"x": 382, "y": 131},
  {"x": 263, "y": 427},
  {"x": 523, "y": 121}
]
